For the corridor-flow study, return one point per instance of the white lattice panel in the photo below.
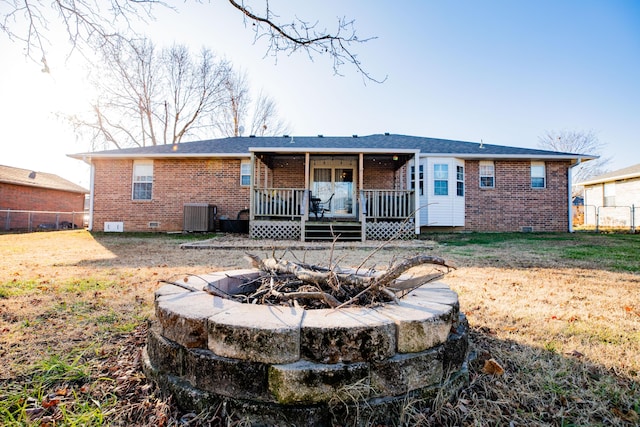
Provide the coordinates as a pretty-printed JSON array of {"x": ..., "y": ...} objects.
[
  {"x": 278, "y": 230},
  {"x": 390, "y": 230}
]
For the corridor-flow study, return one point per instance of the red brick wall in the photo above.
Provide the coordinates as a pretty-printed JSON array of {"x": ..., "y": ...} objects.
[
  {"x": 20, "y": 197},
  {"x": 513, "y": 204},
  {"x": 288, "y": 172},
  {"x": 176, "y": 182},
  {"x": 378, "y": 174}
]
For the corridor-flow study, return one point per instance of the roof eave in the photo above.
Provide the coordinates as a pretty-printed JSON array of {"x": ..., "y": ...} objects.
[
  {"x": 46, "y": 187},
  {"x": 610, "y": 179},
  {"x": 325, "y": 150},
  {"x": 474, "y": 156},
  {"x": 89, "y": 156}
]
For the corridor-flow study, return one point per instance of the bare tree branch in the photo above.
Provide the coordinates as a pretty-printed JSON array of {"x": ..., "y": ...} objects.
[
  {"x": 578, "y": 142},
  {"x": 235, "y": 114},
  {"x": 147, "y": 97},
  {"x": 96, "y": 23},
  {"x": 303, "y": 35}
]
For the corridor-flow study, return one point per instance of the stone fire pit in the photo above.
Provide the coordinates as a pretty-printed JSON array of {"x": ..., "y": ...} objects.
[{"x": 269, "y": 365}]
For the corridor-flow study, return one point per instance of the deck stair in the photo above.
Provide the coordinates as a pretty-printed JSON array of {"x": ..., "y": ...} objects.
[{"x": 324, "y": 230}]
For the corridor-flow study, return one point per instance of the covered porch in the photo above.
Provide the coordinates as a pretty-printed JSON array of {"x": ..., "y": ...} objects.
[{"x": 355, "y": 196}]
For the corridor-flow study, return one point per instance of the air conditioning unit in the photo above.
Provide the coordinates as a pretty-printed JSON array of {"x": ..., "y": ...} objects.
[{"x": 199, "y": 217}]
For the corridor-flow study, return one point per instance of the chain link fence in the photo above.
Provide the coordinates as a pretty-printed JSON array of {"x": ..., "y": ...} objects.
[
  {"x": 599, "y": 218},
  {"x": 28, "y": 221}
]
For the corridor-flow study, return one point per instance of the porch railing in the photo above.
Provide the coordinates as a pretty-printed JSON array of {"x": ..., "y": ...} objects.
[
  {"x": 387, "y": 204},
  {"x": 278, "y": 202}
]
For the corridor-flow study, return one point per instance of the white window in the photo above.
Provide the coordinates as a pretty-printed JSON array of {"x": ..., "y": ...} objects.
[
  {"x": 460, "y": 180},
  {"x": 441, "y": 179},
  {"x": 487, "y": 174},
  {"x": 245, "y": 173},
  {"x": 420, "y": 179},
  {"x": 142, "y": 179},
  {"x": 609, "y": 194},
  {"x": 538, "y": 175}
]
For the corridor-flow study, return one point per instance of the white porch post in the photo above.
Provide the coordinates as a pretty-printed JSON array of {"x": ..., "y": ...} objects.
[
  {"x": 252, "y": 187},
  {"x": 305, "y": 197},
  {"x": 416, "y": 192},
  {"x": 361, "y": 216}
]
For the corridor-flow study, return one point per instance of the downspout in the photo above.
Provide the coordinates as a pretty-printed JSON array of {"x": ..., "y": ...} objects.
[
  {"x": 92, "y": 174},
  {"x": 569, "y": 191}
]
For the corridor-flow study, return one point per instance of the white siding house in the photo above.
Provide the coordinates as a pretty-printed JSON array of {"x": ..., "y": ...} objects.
[{"x": 613, "y": 199}]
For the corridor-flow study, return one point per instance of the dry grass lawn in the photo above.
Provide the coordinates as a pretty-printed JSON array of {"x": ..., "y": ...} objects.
[{"x": 560, "y": 314}]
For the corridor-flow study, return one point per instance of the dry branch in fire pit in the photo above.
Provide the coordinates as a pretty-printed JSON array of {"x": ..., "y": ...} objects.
[{"x": 313, "y": 286}]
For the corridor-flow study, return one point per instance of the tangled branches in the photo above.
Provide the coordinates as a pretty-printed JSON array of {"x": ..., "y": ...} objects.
[{"x": 313, "y": 287}]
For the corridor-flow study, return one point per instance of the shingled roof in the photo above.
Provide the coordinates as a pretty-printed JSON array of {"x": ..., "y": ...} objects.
[
  {"x": 625, "y": 173},
  {"x": 389, "y": 143},
  {"x": 29, "y": 178}
]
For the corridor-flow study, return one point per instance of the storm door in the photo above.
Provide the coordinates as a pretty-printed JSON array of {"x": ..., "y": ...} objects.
[{"x": 334, "y": 177}]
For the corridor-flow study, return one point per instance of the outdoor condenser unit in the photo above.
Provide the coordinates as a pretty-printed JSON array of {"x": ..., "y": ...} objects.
[{"x": 199, "y": 217}]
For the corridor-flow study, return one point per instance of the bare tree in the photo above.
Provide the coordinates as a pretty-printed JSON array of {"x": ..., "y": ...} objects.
[
  {"x": 146, "y": 97},
  {"x": 103, "y": 21},
  {"x": 240, "y": 109},
  {"x": 236, "y": 106},
  {"x": 266, "y": 120},
  {"x": 578, "y": 142}
]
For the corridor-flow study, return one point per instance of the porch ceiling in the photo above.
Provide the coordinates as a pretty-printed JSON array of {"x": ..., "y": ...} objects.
[{"x": 397, "y": 160}]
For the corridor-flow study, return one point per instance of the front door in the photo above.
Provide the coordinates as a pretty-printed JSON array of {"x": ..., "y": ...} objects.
[{"x": 334, "y": 176}]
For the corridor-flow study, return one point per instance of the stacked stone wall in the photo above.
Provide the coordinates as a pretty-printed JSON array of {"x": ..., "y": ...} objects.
[{"x": 277, "y": 364}]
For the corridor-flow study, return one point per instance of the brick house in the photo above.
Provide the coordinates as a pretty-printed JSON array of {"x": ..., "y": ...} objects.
[
  {"x": 612, "y": 199},
  {"x": 368, "y": 187},
  {"x": 23, "y": 190}
]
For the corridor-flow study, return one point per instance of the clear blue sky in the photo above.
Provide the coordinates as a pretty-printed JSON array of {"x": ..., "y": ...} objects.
[{"x": 498, "y": 71}]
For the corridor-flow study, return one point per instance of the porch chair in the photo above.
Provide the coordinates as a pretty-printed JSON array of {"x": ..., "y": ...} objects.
[{"x": 317, "y": 206}]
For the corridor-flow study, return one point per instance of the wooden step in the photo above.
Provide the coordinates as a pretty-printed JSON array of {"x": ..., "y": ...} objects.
[{"x": 346, "y": 231}]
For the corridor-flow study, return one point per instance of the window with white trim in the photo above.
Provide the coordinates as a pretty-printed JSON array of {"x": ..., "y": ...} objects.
[
  {"x": 460, "y": 180},
  {"x": 420, "y": 179},
  {"x": 441, "y": 179},
  {"x": 609, "y": 194},
  {"x": 142, "y": 180},
  {"x": 538, "y": 175},
  {"x": 245, "y": 173},
  {"x": 487, "y": 174}
]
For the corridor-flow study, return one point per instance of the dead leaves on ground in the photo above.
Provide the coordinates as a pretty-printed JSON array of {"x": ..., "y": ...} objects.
[{"x": 492, "y": 367}]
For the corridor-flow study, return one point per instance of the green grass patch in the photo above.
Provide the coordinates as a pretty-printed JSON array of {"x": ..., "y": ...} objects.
[
  {"x": 17, "y": 287},
  {"x": 86, "y": 285},
  {"x": 496, "y": 239},
  {"x": 58, "y": 388},
  {"x": 615, "y": 251},
  {"x": 59, "y": 369},
  {"x": 589, "y": 333}
]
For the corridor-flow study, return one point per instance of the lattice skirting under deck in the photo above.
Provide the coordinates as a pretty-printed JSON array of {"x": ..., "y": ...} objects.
[
  {"x": 384, "y": 230},
  {"x": 279, "y": 230}
]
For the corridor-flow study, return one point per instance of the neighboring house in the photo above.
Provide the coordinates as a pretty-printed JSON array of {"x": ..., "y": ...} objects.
[
  {"x": 24, "y": 190},
  {"x": 613, "y": 199},
  {"x": 370, "y": 187}
]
